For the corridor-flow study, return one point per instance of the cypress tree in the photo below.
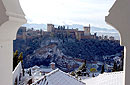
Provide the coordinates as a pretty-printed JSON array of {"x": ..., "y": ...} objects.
[
  {"x": 102, "y": 71},
  {"x": 20, "y": 58},
  {"x": 15, "y": 59},
  {"x": 114, "y": 67}
]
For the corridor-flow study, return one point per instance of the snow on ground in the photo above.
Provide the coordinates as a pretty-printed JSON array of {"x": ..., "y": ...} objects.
[{"x": 114, "y": 78}]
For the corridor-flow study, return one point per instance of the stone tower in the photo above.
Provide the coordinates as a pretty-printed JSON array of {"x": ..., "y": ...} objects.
[
  {"x": 50, "y": 28},
  {"x": 86, "y": 30}
]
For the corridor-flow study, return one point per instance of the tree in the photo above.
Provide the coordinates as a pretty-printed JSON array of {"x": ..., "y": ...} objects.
[
  {"x": 30, "y": 73},
  {"x": 122, "y": 62},
  {"x": 20, "y": 58},
  {"x": 79, "y": 73},
  {"x": 82, "y": 69},
  {"x": 114, "y": 67},
  {"x": 93, "y": 70},
  {"x": 102, "y": 70},
  {"x": 72, "y": 73},
  {"x": 15, "y": 59}
]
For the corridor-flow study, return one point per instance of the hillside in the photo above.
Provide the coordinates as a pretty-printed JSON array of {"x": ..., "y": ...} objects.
[{"x": 65, "y": 52}]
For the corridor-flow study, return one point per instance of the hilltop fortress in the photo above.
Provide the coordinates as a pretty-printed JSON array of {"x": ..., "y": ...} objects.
[
  {"x": 61, "y": 32},
  {"x": 74, "y": 33}
]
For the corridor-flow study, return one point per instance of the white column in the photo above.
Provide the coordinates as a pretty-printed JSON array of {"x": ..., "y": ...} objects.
[
  {"x": 6, "y": 64},
  {"x": 119, "y": 17},
  {"x": 11, "y": 18}
]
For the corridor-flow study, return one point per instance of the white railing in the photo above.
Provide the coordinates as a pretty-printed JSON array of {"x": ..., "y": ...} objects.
[
  {"x": 114, "y": 78},
  {"x": 16, "y": 73}
]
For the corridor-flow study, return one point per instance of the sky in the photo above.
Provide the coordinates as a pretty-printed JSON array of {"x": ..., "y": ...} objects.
[{"x": 62, "y": 12}]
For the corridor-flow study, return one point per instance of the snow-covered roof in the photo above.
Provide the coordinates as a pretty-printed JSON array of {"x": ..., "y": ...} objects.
[
  {"x": 58, "y": 77},
  {"x": 113, "y": 78},
  {"x": 52, "y": 63},
  {"x": 35, "y": 67},
  {"x": 46, "y": 69}
]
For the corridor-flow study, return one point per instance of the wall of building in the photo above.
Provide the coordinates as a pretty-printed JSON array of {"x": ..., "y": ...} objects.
[{"x": 3, "y": 16}]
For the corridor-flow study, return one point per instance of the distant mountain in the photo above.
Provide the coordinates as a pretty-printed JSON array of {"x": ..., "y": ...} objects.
[
  {"x": 99, "y": 30},
  {"x": 105, "y": 30},
  {"x": 36, "y": 26}
]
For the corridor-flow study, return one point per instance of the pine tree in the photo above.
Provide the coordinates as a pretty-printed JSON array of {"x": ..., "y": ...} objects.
[
  {"x": 82, "y": 69},
  {"x": 102, "y": 71}
]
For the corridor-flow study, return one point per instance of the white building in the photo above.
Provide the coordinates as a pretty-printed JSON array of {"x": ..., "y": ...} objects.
[{"x": 58, "y": 77}]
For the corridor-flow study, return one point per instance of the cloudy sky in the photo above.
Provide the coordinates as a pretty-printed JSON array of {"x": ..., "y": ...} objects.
[{"x": 62, "y": 12}]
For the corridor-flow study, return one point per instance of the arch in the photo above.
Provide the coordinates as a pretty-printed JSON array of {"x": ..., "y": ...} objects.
[{"x": 12, "y": 17}]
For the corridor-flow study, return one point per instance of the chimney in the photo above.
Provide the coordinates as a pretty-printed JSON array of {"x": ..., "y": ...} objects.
[{"x": 52, "y": 65}]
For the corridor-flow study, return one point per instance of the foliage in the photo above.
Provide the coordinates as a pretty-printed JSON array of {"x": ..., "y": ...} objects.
[
  {"x": 30, "y": 74},
  {"x": 20, "y": 58},
  {"x": 78, "y": 73},
  {"x": 72, "y": 73},
  {"x": 89, "y": 49},
  {"x": 102, "y": 70},
  {"x": 122, "y": 61},
  {"x": 114, "y": 67},
  {"x": 93, "y": 70},
  {"x": 15, "y": 59},
  {"x": 83, "y": 67}
]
